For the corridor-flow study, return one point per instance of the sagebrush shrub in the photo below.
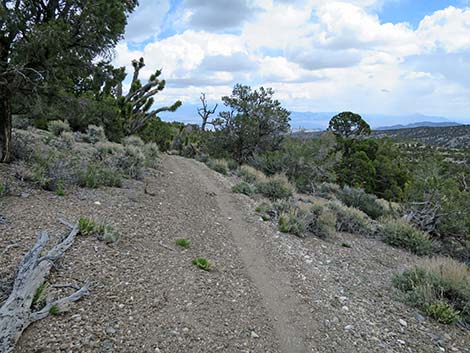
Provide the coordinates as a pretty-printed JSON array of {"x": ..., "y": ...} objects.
[
  {"x": 133, "y": 140},
  {"x": 25, "y": 144},
  {"x": 401, "y": 234},
  {"x": 57, "y": 127},
  {"x": 351, "y": 220},
  {"x": 275, "y": 187},
  {"x": 440, "y": 287},
  {"x": 308, "y": 219},
  {"x": 232, "y": 164},
  {"x": 358, "y": 198}
]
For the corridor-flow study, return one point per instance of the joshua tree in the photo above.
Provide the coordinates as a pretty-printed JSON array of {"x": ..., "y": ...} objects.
[
  {"x": 205, "y": 112},
  {"x": 136, "y": 105}
]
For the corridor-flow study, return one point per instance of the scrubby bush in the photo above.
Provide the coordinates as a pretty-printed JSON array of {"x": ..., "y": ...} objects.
[
  {"x": 105, "y": 148},
  {"x": 244, "y": 188},
  {"x": 275, "y": 187},
  {"x": 204, "y": 158},
  {"x": 57, "y": 127},
  {"x": 327, "y": 190},
  {"x": 250, "y": 174},
  {"x": 94, "y": 134},
  {"x": 440, "y": 287},
  {"x": 202, "y": 263},
  {"x": 219, "y": 165},
  {"x": 323, "y": 222},
  {"x": 56, "y": 170},
  {"x": 351, "y": 220},
  {"x": 97, "y": 174},
  {"x": 358, "y": 198},
  {"x": 68, "y": 138},
  {"x": 401, "y": 234},
  {"x": 292, "y": 223}
]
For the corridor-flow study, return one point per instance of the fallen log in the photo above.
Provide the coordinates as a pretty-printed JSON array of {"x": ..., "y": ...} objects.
[{"x": 16, "y": 313}]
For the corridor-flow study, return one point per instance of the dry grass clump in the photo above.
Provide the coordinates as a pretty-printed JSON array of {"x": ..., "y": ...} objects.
[{"x": 440, "y": 287}]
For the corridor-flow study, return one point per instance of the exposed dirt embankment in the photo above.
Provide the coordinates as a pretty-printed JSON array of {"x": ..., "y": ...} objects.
[{"x": 266, "y": 292}]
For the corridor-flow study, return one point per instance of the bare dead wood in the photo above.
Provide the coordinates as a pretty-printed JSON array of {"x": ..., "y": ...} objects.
[{"x": 16, "y": 314}]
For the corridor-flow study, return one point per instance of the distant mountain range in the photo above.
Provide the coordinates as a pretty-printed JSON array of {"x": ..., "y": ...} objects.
[
  {"x": 319, "y": 120},
  {"x": 418, "y": 124}
]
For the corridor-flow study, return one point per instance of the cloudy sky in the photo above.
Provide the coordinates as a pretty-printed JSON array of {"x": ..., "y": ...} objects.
[{"x": 370, "y": 56}]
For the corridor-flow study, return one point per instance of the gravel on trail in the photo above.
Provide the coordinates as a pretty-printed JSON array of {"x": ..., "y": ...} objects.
[{"x": 265, "y": 292}]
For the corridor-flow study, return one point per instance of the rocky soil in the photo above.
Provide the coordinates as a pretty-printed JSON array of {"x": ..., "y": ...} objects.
[{"x": 266, "y": 292}]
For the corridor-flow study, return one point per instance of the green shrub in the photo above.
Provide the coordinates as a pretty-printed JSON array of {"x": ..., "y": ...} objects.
[
  {"x": 440, "y": 287},
  {"x": 97, "y": 174},
  {"x": 403, "y": 235},
  {"x": 358, "y": 198},
  {"x": 327, "y": 190},
  {"x": 202, "y": 263},
  {"x": 68, "y": 139},
  {"x": 103, "y": 232},
  {"x": 351, "y": 220},
  {"x": 219, "y": 165},
  {"x": 322, "y": 221},
  {"x": 184, "y": 243},
  {"x": 250, "y": 174},
  {"x": 442, "y": 312},
  {"x": 275, "y": 187},
  {"x": 243, "y": 188},
  {"x": 57, "y": 127},
  {"x": 232, "y": 164}
]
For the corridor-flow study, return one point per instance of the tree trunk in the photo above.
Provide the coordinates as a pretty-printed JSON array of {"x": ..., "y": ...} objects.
[{"x": 5, "y": 124}]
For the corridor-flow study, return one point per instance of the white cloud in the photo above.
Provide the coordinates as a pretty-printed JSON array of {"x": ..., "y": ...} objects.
[
  {"x": 145, "y": 22},
  {"x": 318, "y": 55}
]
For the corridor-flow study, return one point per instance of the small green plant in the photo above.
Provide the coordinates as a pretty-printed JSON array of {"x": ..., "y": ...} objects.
[
  {"x": 54, "y": 310},
  {"x": 39, "y": 295},
  {"x": 3, "y": 190},
  {"x": 202, "y": 263},
  {"x": 108, "y": 234},
  {"x": 291, "y": 223},
  {"x": 442, "y": 312},
  {"x": 402, "y": 234},
  {"x": 243, "y": 188},
  {"x": 59, "y": 191},
  {"x": 275, "y": 187},
  {"x": 87, "y": 226},
  {"x": 184, "y": 243}
]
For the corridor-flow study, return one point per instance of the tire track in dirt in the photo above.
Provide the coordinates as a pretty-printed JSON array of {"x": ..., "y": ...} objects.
[{"x": 279, "y": 298}]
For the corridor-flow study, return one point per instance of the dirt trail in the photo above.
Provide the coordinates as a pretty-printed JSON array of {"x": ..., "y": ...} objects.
[
  {"x": 273, "y": 285},
  {"x": 266, "y": 293}
]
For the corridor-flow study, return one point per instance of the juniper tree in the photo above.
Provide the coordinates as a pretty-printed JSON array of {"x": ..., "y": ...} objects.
[{"x": 52, "y": 43}]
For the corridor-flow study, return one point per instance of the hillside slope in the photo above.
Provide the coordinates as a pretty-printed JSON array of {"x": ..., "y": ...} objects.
[{"x": 267, "y": 292}]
